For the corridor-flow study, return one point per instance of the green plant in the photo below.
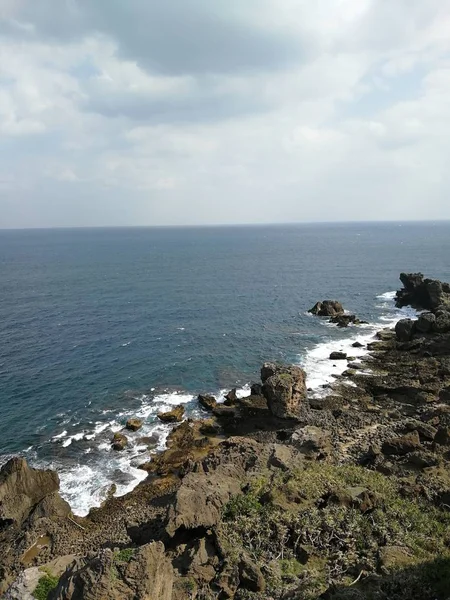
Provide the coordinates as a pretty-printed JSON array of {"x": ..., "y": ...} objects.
[
  {"x": 124, "y": 555},
  {"x": 45, "y": 585}
]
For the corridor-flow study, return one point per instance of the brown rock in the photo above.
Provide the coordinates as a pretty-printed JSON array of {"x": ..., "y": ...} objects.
[
  {"x": 209, "y": 427},
  {"x": 402, "y": 445},
  {"x": 119, "y": 441},
  {"x": 133, "y": 424},
  {"x": 312, "y": 441},
  {"x": 207, "y": 402},
  {"x": 250, "y": 575},
  {"x": 173, "y": 416},
  {"x": 284, "y": 390},
  {"x": 231, "y": 398},
  {"x": 327, "y": 308}
]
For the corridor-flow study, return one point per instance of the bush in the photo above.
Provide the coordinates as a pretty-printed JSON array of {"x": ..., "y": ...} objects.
[{"x": 46, "y": 584}]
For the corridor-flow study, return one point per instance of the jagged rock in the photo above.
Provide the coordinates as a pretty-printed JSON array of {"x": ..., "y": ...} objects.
[
  {"x": 21, "y": 489},
  {"x": 284, "y": 389},
  {"x": 442, "y": 436},
  {"x": 231, "y": 398},
  {"x": 422, "y": 293},
  {"x": 312, "y": 441},
  {"x": 425, "y": 322},
  {"x": 402, "y": 445},
  {"x": 207, "y": 402},
  {"x": 404, "y": 330},
  {"x": 338, "y": 356},
  {"x": 250, "y": 575},
  {"x": 442, "y": 323},
  {"x": 119, "y": 441},
  {"x": 346, "y": 320},
  {"x": 133, "y": 424},
  {"x": 327, "y": 308},
  {"x": 172, "y": 416},
  {"x": 148, "y": 574}
]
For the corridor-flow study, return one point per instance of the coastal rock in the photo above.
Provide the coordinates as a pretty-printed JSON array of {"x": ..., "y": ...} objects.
[
  {"x": 404, "y": 330},
  {"x": 209, "y": 427},
  {"x": 172, "y": 416},
  {"x": 357, "y": 345},
  {"x": 442, "y": 323},
  {"x": 338, "y": 356},
  {"x": 231, "y": 398},
  {"x": 402, "y": 445},
  {"x": 207, "y": 402},
  {"x": 133, "y": 424},
  {"x": 256, "y": 389},
  {"x": 147, "y": 574},
  {"x": 284, "y": 389},
  {"x": 425, "y": 322},
  {"x": 346, "y": 320},
  {"x": 422, "y": 293},
  {"x": 119, "y": 441},
  {"x": 327, "y": 308},
  {"x": 21, "y": 489},
  {"x": 312, "y": 441}
]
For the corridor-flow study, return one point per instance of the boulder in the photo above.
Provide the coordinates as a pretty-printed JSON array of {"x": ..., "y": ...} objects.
[
  {"x": 231, "y": 398},
  {"x": 119, "y": 441},
  {"x": 404, "y": 330},
  {"x": 312, "y": 441},
  {"x": 442, "y": 436},
  {"x": 173, "y": 416},
  {"x": 338, "y": 356},
  {"x": 23, "y": 488},
  {"x": 207, "y": 402},
  {"x": 425, "y": 322},
  {"x": 133, "y": 424},
  {"x": 442, "y": 322},
  {"x": 327, "y": 308},
  {"x": 402, "y": 445},
  {"x": 357, "y": 345},
  {"x": 284, "y": 390},
  {"x": 250, "y": 575}
]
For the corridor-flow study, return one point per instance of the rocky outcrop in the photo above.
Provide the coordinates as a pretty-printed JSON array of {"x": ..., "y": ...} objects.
[
  {"x": 338, "y": 355},
  {"x": 284, "y": 388},
  {"x": 172, "y": 416},
  {"x": 404, "y": 330},
  {"x": 134, "y": 424},
  {"x": 119, "y": 441},
  {"x": 207, "y": 402},
  {"x": 422, "y": 293},
  {"x": 22, "y": 489},
  {"x": 327, "y": 308},
  {"x": 147, "y": 573}
]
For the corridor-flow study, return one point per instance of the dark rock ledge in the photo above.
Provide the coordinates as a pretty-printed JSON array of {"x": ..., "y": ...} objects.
[{"x": 273, "y": 496}]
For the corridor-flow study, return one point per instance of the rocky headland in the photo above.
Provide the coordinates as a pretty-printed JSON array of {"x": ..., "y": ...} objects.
[{"x": 274, "y": 496}]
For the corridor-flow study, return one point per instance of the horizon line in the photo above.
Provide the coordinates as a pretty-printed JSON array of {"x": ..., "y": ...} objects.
[{"x": 228, "y": 225}]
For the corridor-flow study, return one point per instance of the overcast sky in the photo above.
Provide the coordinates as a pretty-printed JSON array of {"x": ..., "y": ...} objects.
[{"x": 150, "y": 112}]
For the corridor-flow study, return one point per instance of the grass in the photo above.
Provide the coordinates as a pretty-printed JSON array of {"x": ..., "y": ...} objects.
[
  {"x": 124, "y": 555},
  {"x": 277, "y": 518},
  {"x": 46, "y": 584}
]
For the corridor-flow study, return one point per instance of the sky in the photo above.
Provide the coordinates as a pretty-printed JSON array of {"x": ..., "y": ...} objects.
[{"x": 184, "y": 112}]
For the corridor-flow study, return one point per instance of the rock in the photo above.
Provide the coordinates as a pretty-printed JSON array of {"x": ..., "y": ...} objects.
[
  {"x": 119, "y": 441},
  {"x": 231, "y": 398},
  {"x": 422, "y": 293},
  {"x": 327, "y": 308},
  {"x": 250, "y": 575},
  {"x": 357, "y": 497},
  {"x": 402, "y": 445},
  {"x": 312, "y": 441},
  {"x": 256, "y": 389},
  {"x": 357, "y": 345},
  {"x": 442, "y": 436},
  {"x": 346, "y": 320},
  {"x": 268, "y": 370},
  {"x": 173, "y": 416},
  {"x": 284, "y": 390},
  {"x": 207, "y": 402},
  {"x": 133, "y": 424},
  {"x": 404, "y": 330},
  {"x": 442, "y": 323},
  {"x": 224, "y": 412},
  {"x": 148, "y": 574},
  {"x": 22, "y": 489},
  {"x": 425, "y": 322},
  {"x": 355, "y": 366},
  {"x": 209, "y": 427},
  {"x": 338, "y": 356}
]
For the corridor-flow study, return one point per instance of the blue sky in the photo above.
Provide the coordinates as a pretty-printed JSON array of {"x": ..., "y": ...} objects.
[{"x": 195, "y": 112}]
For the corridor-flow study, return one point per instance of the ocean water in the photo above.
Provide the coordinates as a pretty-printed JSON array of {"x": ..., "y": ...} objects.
[{"x": 97, "y": 325}]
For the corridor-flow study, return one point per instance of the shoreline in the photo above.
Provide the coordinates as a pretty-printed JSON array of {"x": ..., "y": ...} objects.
[{"x": 374, "y": 442}]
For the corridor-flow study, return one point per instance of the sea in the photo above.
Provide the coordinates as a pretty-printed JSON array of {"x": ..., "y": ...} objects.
[{"x": 99, "y": 325}]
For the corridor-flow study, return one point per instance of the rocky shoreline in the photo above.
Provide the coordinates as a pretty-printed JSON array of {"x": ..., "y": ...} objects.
[{"x": 272, "y": 496}]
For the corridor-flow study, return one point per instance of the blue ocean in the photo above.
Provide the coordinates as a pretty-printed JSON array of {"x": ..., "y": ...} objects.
[{"x": 97, "y": 325}]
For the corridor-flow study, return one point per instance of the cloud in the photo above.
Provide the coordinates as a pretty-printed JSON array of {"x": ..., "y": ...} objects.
[{"x": 190, "y": 112}]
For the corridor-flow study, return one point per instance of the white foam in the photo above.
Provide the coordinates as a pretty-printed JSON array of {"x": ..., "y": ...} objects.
[
  {"x": 73, "y": 438},
  {"x": 60, "y": 435}
]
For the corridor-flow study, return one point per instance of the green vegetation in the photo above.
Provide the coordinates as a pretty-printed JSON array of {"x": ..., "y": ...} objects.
[
  {"x": 46, "y": 584},
  {"x": 306, "y": 526},
  {"x": 124, "y": 555}
]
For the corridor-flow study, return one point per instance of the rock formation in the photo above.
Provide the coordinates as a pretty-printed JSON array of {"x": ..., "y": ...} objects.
[{"x": 327, "y": 308}]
